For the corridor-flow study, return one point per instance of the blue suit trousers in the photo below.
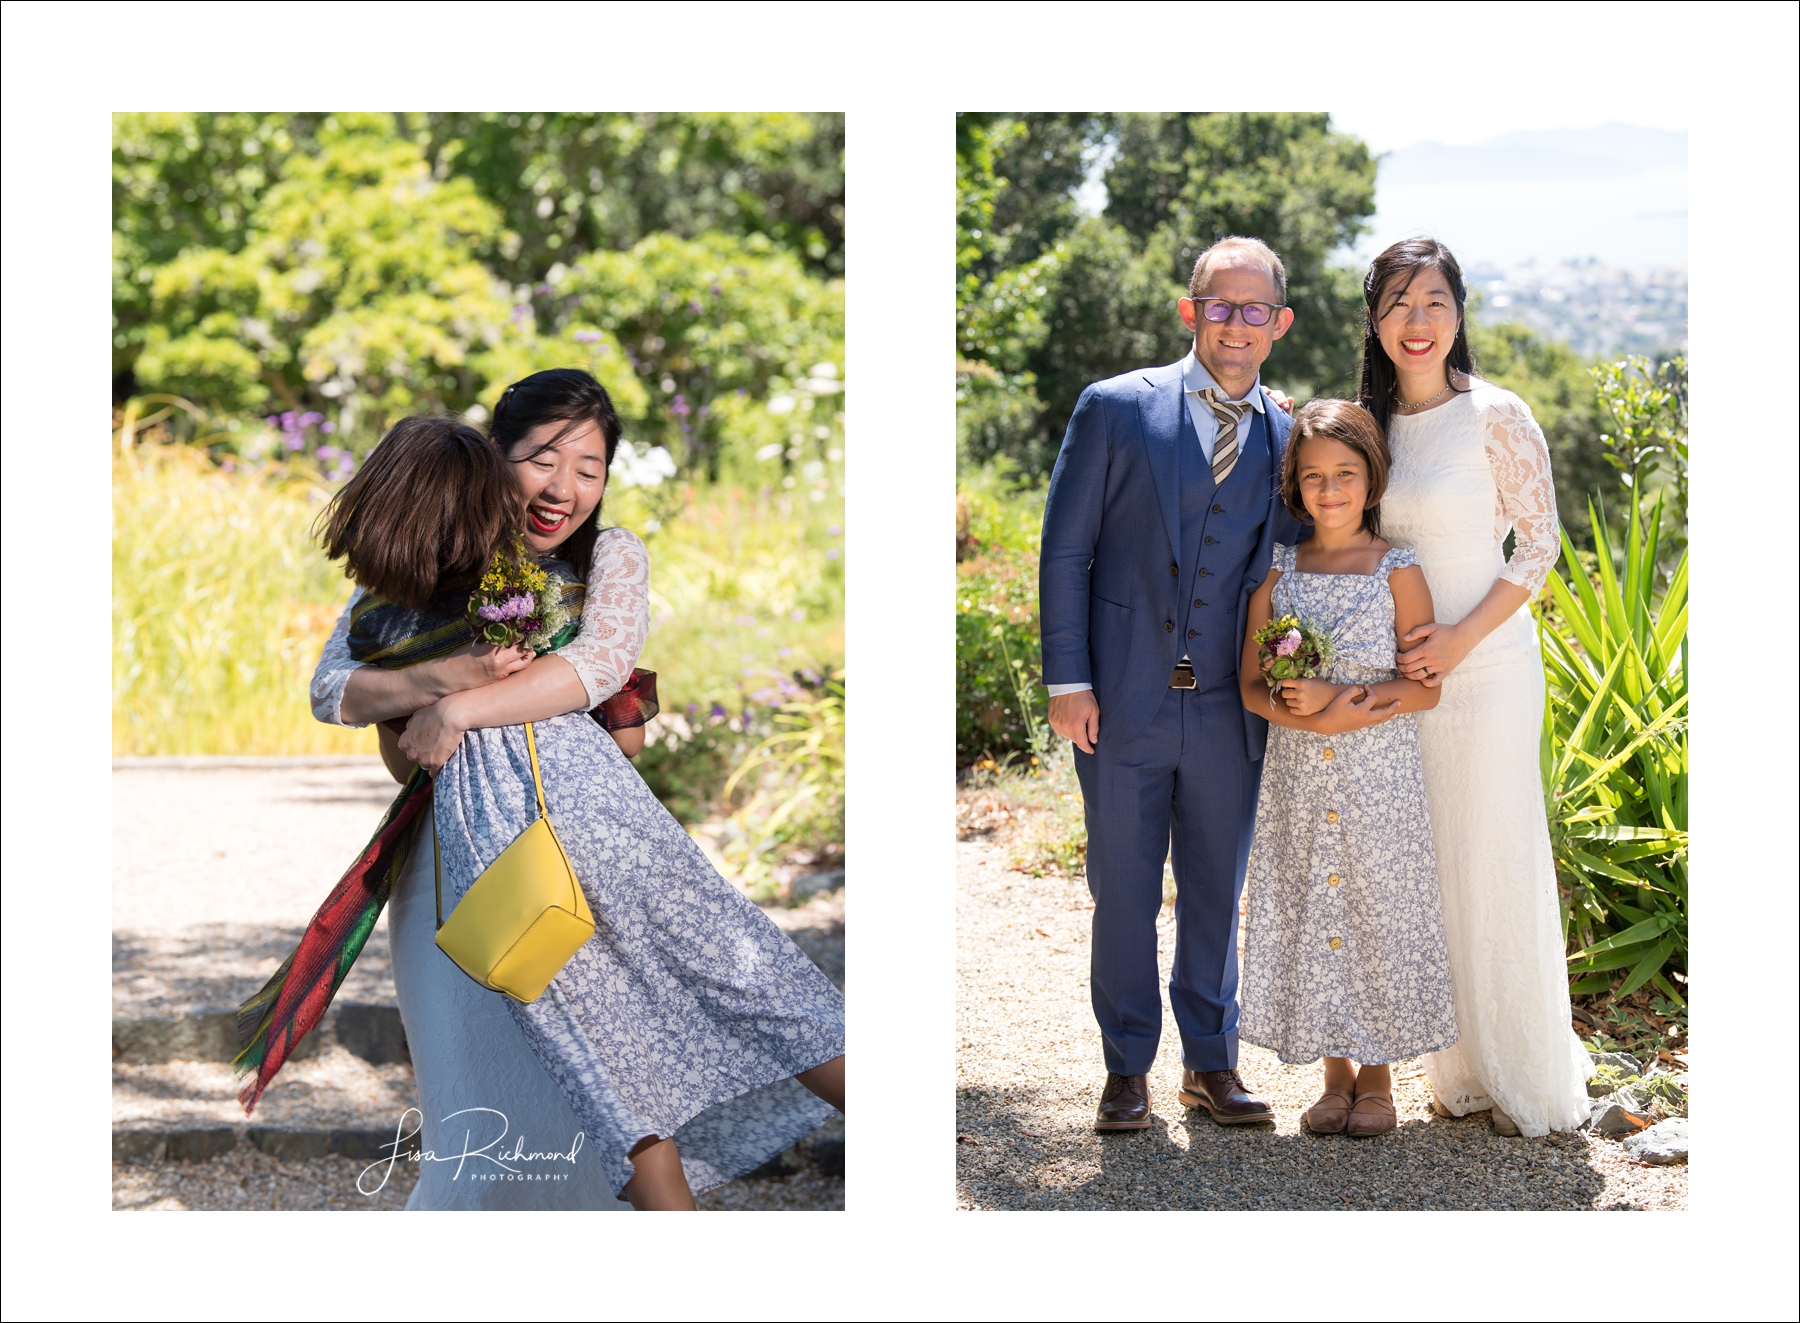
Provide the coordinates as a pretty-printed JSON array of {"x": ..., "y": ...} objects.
[{"x": 1184, "y": 790}]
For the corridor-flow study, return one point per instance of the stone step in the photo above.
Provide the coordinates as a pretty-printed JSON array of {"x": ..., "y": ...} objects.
[{"x": 372, "y": 1032}]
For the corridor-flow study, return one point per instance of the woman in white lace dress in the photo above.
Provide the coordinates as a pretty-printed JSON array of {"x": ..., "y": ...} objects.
[
  {"x": 688, "y": 1041},
  {"x": 1469, "y": 466}
]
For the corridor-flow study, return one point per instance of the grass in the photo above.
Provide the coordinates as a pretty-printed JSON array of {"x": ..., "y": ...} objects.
[
  {"x": 222, "y": 603},
  {"x": 220, "y": 608}
]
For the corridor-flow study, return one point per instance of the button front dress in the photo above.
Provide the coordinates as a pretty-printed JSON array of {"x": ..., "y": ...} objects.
[{"x": 1345, "y": 955}]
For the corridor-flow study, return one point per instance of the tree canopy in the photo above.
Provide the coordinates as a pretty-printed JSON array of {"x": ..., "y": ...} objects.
[
  {"x": 1050, "y": 298},
  {"x": 350, "y": 268}
]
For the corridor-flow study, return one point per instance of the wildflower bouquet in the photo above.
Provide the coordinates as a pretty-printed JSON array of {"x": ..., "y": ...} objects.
[
  {"x": 1288, "y": 648},
  {"x": 517, "y": 602}
]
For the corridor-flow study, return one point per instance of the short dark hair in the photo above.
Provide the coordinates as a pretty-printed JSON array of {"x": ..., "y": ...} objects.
[
  {"x": 1238, "y": 243},
  {"x": 559, "y": 395},
  {"x": 1354, "y": 426},
  {"x": 432, "y": 503},
  {"x": 1380, "y": 389}
]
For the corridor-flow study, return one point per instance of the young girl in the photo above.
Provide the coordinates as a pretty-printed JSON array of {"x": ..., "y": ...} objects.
[{"x": 1345, "y": 954}]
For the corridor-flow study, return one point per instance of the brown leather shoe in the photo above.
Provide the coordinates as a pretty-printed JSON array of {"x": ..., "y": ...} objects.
[
  {"x": 1223, "y": 1096},
  {"x": 1124, "y": 1103}
]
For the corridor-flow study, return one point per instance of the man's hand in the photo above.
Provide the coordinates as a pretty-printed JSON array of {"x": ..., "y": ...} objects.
[
  {"x": 1283, "y": 401},
  {"x": 1076, "y": 717}
]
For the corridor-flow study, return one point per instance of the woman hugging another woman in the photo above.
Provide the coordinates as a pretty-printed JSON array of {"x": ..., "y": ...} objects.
[{"x": 688, "y": 1041}]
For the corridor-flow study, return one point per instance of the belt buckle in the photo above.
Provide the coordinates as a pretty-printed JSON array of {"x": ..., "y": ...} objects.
[{"x": 1183, "y": 677}]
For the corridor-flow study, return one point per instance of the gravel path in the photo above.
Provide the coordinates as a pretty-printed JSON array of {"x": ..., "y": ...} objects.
[
  {"x": 1029, "y": 1074},
  {"x": 216, "y": 871}
]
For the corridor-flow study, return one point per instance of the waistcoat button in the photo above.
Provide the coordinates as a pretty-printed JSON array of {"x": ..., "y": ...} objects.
[
  {"x": 1193, "y": 633},
  {"x": 1198, "y": 602},
  {"x": 1173, "y": 570},
  {"x": 1209, "y": 542},
  {"x": 1218, "y": 509},
  {"x": 1168, "y": 626},
  {"x": 1203, "y": 573}
]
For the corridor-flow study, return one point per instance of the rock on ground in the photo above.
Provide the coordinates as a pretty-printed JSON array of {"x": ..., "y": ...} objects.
[{"x": 1030, "y": 1072}]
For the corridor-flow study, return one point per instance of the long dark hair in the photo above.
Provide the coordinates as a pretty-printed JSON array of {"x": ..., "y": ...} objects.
[
  {"x": 430, "y": 504},
  {"x": 560, "y": 395},
  {"x": 1380, "y": 389}
]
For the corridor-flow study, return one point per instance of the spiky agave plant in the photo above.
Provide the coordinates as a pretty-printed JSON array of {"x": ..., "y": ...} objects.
[{"x": 1614, "y": 759}]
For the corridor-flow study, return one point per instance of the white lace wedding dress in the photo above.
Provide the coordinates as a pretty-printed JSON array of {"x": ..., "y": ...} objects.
[{"x": 1464, "y": 474}]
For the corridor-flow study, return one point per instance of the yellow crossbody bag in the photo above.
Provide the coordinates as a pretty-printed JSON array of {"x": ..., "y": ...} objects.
[{"x": 517, "y": 926}]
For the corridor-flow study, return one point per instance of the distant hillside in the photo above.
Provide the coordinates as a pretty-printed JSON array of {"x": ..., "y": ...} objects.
[
  {"x": 1599, "y": 311},
  {"x": 1610, "y": 151}
]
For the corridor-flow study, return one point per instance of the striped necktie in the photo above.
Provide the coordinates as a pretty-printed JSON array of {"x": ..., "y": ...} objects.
[{"x": 1225, "y": 446}]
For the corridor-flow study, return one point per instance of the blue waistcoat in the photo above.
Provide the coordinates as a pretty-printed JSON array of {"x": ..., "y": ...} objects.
[{"x": 1219, "y": 527}]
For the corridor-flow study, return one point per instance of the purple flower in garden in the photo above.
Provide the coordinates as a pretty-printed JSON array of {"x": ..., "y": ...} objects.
[
  {"x": 328, "y": 426},
  {"x": 833, "y": 530},
  {"x": 309, "y": 418},
  {"x": 703, "y": 411},
  {"x": 520, "y": 312},
  {"x": 742, "y": 390},
  {"x": 546, "y": 289},
  {"x": 717, "y": 291},
  {"x": 587, "y": 337},
  {"x": 294, "y": 440},
  {"x": 694, "y": 305},
  {"x": 784, "y": 652},
  {"x": 679, "y": 406},
  {"x": 797, "y": 615},
  {"x": 287, "y": 419},
  {"x": 1289, "y": 642},
  {"x": 833, "y": 554},
  {"x": 718, "y": 710},
  {"x": 273, "y": 419}
]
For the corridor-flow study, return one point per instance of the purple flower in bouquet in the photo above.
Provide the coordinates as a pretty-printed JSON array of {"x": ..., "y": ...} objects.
[
  {"x": 1286, "y": 647},
  {"x": 516, "y": 607}
]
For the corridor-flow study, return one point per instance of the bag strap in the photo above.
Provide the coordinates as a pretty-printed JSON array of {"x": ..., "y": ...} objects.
[
  {"x": 437, "y": 858},
  {"x": 536, "y": 779}
]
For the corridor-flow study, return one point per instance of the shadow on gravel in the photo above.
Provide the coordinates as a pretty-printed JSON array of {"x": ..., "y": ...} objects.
[
  {"x": 215, "y": 966},
  {"x": 1010, "y": 1157}
]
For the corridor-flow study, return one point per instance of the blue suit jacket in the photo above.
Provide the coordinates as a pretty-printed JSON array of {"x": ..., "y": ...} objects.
[{"x": 1112, "y": 528}]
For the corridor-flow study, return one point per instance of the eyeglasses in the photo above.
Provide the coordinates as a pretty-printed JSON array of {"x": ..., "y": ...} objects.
[{"x": 1220, "y": 310}]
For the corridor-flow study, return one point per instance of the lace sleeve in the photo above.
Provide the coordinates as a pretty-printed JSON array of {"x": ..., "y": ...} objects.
[
  {"x": 1520, "y": 462},
  {"x": 333, "y": 672},
  {"x": 615, "y": 618}
]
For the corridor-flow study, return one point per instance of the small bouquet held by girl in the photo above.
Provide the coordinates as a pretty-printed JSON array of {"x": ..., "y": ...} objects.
[{"x": 1289, "y": 648}]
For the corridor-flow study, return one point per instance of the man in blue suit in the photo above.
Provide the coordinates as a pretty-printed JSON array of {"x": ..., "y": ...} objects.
[{"x": 1162, "y": 513}]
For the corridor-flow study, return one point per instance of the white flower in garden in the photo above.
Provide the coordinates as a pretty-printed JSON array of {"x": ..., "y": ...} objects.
[
  {"x": 646, "y": 468},
  {"x": 781, "y": 404},
  {"x": 769, "y": 451}
]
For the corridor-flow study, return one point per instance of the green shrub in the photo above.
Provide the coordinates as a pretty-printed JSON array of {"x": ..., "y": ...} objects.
[
  {"x": 1000, "y": 702},
  {"x": 1615, "y": 761}
]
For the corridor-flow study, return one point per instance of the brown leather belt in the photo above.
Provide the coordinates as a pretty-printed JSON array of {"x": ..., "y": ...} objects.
[{"x": 1183, "y": 677}]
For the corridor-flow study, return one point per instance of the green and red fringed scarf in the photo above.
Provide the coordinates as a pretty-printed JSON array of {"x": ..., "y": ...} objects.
[{"x": 291, "y": 1004}]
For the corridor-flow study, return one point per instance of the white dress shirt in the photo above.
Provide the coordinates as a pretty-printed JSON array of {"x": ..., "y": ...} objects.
[{"x": 1194, "y": 379}]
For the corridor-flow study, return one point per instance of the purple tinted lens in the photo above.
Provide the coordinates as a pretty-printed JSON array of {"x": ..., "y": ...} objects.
[{"x": 1218, "y": 310}]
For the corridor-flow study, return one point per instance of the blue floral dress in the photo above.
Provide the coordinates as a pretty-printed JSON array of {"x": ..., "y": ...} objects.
[
  {"x": 1344, "y": 955},
  {"x": 686, "y": 1015}
]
